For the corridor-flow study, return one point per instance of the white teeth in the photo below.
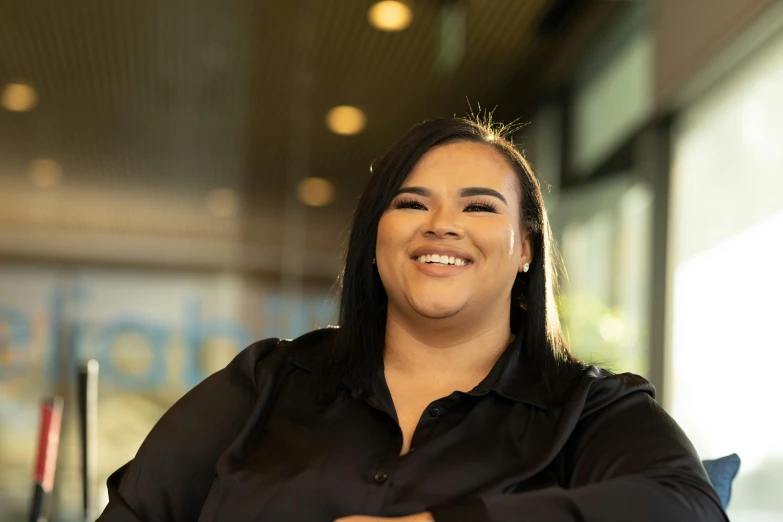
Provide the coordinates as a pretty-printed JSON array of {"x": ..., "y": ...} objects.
[{"x": 441, "y": 260}]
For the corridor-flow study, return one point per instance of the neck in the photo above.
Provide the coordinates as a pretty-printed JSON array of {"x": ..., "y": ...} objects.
[{"x": 439, "y": 350}]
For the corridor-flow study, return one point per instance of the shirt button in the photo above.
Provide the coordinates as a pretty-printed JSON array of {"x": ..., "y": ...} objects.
[
  {"x": 380, "y": 477},
  {"x": 436, "y": 412}
]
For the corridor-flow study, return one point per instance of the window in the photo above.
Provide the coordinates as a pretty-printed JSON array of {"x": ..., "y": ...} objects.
[{"x": 726, "y": 351}]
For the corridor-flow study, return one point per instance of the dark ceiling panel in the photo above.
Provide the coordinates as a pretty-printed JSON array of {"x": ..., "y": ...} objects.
[{"x": 179, "y": 97}]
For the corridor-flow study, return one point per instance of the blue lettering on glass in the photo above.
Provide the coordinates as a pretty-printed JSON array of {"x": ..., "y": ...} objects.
[
  {"x": 156, "y": 336},
  {"x": 198, "y": 332},
  {"x": 69, "y": 339},
  {"x": 56, "y": 327},
  {"x": 288, "y": 318},
  {"x": 64, "y": 343},
  {"x": 14, "y": 341}
]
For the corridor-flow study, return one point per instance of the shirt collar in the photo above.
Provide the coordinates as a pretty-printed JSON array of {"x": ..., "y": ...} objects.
[{"x": 510, "y": 377}]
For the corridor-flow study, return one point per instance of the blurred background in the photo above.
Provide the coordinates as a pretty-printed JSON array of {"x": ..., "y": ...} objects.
[{"x": 177, "y": 180}]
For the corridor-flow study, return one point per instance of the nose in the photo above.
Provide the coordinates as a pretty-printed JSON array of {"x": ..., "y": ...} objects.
[{"x": 443, "y": 223}]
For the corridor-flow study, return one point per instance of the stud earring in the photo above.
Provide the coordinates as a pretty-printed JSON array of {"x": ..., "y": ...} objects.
[{"x": 526, "y": 267}]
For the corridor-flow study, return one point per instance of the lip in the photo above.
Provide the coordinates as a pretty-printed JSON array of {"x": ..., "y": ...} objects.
[{"x": 451, "y": 252}]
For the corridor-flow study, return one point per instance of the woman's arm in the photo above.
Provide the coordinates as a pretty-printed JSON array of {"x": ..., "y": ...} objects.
[
  {"x": 173, "y": 471},
  {"x": 629, "y": 461}
]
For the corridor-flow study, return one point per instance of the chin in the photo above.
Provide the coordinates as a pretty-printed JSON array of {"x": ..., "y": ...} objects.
[{"x": 437, "y": 309}]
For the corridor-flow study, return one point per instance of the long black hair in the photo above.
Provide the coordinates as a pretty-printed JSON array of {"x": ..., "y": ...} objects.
[{"x": 357, "y": 354}]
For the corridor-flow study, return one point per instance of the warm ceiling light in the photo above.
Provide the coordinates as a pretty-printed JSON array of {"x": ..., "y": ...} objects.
[
  {"x": 18, "y": 97},
  {"x": 390, "y": 15},
  {"x": 222, "y": 203},
  {"x": 315, "y": 192},
  {"x": 45, "y": 173},
  {"x": 345, "y": 120}
]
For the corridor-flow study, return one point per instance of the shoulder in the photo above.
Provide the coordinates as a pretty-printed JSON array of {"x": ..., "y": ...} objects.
[
  {"x": 319, "y": 338},
  {"x": 255, "y": 363},
  {"x": 268, "y": 357},
  {"x": 174, "y": 468},
  {"x": 598, "y": 389},
  {"x": 217, "y": 407},
  {"x": 242, "y": 370},
  {"x": 605, "y": 405},
  {"x": 309, "y": 350}
]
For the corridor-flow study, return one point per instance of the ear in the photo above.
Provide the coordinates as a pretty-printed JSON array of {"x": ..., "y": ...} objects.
[{"x": 527, "y": 251}]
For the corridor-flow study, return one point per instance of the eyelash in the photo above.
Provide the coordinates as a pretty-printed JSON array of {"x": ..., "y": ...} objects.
[
  {"x": 408, "y": 203},
  {"x": 482, "y": 206}
]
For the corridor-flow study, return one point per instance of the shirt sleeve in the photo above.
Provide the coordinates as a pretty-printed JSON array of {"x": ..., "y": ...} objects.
[
  {"x": 173, "y": 471},
  {"x": 628, "y": 461}
]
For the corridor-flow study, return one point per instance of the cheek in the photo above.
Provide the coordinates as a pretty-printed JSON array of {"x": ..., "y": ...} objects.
[
  {"x": 503, "y": 240},
  {"x": 391, "y": 234},
  {"x": 384, "y": 233}
]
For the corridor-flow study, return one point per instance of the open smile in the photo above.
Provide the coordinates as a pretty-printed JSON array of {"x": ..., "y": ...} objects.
[
  {"x": 441, "y": 265},
  {"x": 442, "y": 260}
]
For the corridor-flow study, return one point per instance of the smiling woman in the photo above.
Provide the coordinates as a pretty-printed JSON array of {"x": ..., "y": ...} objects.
[
  {"x": 446, "y": 393},
  {"x": 436, "y": 215}
]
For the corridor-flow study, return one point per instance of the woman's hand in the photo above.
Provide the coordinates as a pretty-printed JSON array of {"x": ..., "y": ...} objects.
[{"x": 418, "y": 517}]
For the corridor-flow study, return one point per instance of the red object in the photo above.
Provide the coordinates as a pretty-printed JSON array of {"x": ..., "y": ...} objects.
[{"x": 48, "y": 444}]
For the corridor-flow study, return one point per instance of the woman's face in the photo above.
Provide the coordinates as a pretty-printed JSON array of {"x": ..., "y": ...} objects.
[{"x": 450, "y": 242}]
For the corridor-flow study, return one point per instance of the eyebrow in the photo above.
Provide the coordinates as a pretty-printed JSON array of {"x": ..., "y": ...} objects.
[
  {"x": 464, "y": 193},
  {"x": 482, "y": 191}
]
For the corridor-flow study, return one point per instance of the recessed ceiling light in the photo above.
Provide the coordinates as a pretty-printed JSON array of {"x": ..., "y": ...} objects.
[
  {"x": 315, "y": 192},
  {"x": 390, "y": 15},
  {"x": 346, "y": 120},
  {"x": 45, "y": 173},
  {"x": 18, "y": 97},
  {"x": 222, "y": 203}
]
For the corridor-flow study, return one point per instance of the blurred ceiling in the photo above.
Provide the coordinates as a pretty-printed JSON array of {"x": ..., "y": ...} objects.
[{"x": 149, "y": 105}]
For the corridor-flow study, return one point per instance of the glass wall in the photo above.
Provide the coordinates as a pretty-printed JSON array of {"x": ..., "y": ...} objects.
[
  {"x": 726, "y": 350},
  {"x": 155, "y": 334},
  {"x": 605, "y": 236},
  {"x": 603, "y": 215}
]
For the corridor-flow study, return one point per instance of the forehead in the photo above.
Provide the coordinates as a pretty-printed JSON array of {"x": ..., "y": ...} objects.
[{"x": 463, "y": 164}]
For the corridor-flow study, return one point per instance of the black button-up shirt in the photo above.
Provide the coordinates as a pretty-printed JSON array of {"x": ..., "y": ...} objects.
[{"x": 252, "y": 443}]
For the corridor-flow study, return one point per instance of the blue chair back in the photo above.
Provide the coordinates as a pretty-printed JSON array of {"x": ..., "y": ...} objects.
[{"x": 722, "y": 472}]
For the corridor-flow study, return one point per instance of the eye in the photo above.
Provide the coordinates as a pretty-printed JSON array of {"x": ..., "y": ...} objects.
[
  {"x": 409, "y": 203},
  {"x": 480, "y": 206}
]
